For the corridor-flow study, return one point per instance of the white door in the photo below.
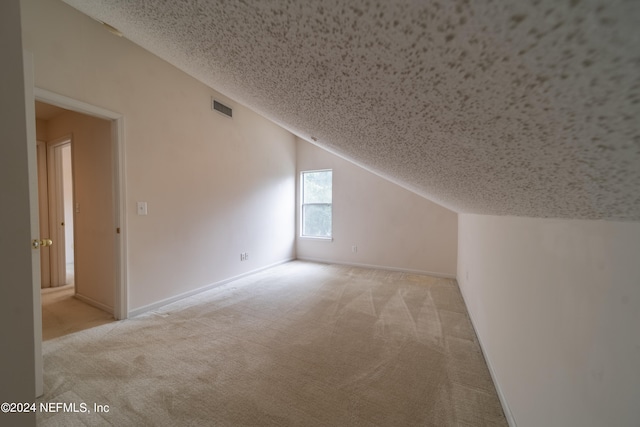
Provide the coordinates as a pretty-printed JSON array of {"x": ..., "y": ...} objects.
[
  {"x": 43, "y": 208},
  {"x": 35, "y": 218},
  {"x": 21, "y": 329}
]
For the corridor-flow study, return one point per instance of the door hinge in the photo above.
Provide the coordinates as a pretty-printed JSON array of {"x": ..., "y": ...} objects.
[{"x": 118, "y": 230}]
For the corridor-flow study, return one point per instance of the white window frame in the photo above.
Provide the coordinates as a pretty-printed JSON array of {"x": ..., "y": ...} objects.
[{"x": 302, "y": 204}]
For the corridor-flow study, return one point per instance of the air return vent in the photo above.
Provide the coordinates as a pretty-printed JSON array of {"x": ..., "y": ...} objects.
[{"x": 227, "y": 111}]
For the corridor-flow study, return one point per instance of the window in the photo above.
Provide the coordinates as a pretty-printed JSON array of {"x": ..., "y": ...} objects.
[{"x": 316, "y": 203}]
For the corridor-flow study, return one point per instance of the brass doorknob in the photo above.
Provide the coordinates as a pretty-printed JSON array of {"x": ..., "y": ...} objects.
[{"x": 41, "y": 243}]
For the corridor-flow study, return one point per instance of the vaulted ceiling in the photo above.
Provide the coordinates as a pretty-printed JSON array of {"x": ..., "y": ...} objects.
[{"x": 525, "y": 108}]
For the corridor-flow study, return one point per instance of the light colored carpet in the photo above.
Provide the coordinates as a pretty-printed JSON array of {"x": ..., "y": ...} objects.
[
  {"x": 63, "y": 314},
  {"x": 300, "y": 344}
]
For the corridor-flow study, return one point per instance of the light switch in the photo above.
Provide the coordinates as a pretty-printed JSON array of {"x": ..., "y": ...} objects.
[{"x": 142, "y": 208}]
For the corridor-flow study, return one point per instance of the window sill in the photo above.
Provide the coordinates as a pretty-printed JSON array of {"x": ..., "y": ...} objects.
[{"x": 322, "y": 239}]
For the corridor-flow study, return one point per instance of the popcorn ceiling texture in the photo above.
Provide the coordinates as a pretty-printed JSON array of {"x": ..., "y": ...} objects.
[{"x": 525, "y": 108}]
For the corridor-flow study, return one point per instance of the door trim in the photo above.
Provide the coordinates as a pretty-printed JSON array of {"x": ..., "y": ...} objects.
[{"x": 121, "y": 303}]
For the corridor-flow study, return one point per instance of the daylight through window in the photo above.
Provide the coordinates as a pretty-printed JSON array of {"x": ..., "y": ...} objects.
[{"x": 316, "y": 203}]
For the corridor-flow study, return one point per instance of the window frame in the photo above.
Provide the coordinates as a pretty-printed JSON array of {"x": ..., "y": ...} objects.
[{"x": 302, "y": 205}]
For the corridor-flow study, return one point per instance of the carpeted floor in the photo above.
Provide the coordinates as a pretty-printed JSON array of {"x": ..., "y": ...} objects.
[
  {"x": 300, "y": 344},
  {"x": 63, "y": 314}
]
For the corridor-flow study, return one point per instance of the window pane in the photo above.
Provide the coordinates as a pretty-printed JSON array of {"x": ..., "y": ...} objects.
[
  {"x": 316, "y": 187},
  {"x": 316, "y": 220}
]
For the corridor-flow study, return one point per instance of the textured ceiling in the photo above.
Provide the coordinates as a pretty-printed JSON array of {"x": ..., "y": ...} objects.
[{"x": 526, "y": 108}]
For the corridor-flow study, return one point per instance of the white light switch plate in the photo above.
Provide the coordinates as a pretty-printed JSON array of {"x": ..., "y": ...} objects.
[{"x": 142, "y": 208}]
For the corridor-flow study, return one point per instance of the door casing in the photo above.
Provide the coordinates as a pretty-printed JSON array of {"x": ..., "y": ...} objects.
[{"x": 120, "y": 309}]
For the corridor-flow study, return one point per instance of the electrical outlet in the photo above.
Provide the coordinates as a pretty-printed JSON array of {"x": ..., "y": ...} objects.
[
  {"x": 246, "y": 256},
  {"x": 242, "y": 256},
  {"x": 354, "y": 249}
]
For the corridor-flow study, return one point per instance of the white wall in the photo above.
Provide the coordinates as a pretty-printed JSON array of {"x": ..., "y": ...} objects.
[
  {"x": 556, "y": 304},
  {"x": 215, "y": 186},
  {"x": 17, "y": 361},
  {"x": 392, "y": 227}
]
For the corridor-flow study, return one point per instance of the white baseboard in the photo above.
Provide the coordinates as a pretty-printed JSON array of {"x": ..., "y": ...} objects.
[
  {"x": 503, "y": 400},
  {"x": 94, "y": 303},
  {"x": 153, "y": 306},
  {"x": 379, "y": 267}
]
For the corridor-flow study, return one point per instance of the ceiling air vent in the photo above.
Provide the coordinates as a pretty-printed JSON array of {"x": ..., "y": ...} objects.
[{"x": 227, "y": 111}]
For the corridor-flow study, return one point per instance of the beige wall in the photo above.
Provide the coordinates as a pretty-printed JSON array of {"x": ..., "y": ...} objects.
[
  {"x": 41, "y": 130},
  {"x": 17, "y": 361},
  {"x": 392, "y": 227},
  {"x": 94, "y": 220},
  {"x": 555, "y": 304},
  {"x": 215, "y": 186}
]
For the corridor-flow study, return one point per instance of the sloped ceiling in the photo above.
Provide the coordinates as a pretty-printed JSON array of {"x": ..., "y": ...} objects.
[{"x": 526, "y": 108}]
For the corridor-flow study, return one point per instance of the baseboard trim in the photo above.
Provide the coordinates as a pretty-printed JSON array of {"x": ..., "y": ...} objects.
[
  {"x": 154, "y": 306},
  {"x": 379, "y": 267},
  {"x": 503, "y": 400},
  {"x": 94, "y": 303}
]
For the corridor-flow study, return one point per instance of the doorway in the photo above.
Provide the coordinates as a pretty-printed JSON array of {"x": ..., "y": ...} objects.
[
  {"x": 59, "y": 212},
  {"x": 113, "y": 180},
  {"x": 66, "y": 216},
  {"x": 78, "y": 200}
]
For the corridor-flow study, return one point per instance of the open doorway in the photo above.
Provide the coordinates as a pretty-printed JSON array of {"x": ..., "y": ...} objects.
[
  {"x": 60, "y": 212},
  {"x": 66, "y": 217},
  {"x": 75, "y": 177}
]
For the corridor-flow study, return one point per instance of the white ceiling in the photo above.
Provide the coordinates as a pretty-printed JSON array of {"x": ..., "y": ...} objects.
[{"x": 527, "y": 108}]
